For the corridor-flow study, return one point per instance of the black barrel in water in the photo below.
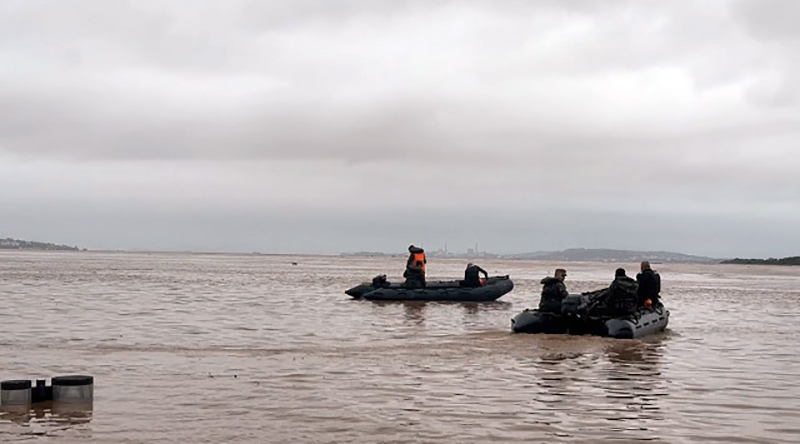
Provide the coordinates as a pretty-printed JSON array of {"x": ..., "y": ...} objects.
[
  {"x": 15, "y": 394},
  {"x": 73, "y": 389}
]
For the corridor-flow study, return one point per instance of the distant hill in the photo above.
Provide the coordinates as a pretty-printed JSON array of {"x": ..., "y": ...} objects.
[
  {"x": 793, "y": 260},
  {"x": 608, "y": 255},
  {"x": 16, "y": 244},
  {"x": 367, "y": 254}
]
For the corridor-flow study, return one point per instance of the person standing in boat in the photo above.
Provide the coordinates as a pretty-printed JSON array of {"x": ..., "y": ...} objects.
[
  {"x": 415, "y": 267},
  {"x": 553, "y": 292},
  {"x": 622, "y": 294},
  {"x": 472, "y": 277},
  {"x": 649, "y": 286}
]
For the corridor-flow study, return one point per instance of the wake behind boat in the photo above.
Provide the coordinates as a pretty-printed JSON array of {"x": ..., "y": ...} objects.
[{"x": 455, "y": 291}]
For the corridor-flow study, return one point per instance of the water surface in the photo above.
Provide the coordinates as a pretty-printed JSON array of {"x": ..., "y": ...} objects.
[{"x": 250, "y": 348}]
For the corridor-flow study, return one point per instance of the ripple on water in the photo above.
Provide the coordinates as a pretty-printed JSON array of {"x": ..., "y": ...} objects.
[{"x": 249, "y": 348}]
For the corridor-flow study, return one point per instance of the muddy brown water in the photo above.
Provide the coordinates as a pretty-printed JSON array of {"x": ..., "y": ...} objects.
[{"x": 213, "y": 348}]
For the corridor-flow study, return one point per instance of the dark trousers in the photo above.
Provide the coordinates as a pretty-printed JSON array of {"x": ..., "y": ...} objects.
[{"x": 414, "y": 278}]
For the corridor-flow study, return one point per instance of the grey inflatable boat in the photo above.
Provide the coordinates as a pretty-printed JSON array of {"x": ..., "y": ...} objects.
[
  {"x": 576, "y": 319},
  {"x": 381, "y": 290}
]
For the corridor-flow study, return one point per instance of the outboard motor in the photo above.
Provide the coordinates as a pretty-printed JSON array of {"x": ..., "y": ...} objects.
[
  {"x": 379, "y": 281},
  {"x": 575, "y": 305},
  {"x": 575, "y": 311}
]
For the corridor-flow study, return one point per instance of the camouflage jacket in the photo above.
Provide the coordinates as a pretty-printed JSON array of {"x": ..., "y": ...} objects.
[
  {"x": 554, "y": 290},
  {"x": 622, "y": 291}
]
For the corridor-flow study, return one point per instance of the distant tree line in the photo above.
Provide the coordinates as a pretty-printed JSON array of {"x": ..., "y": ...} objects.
[
  {"x": 16, "y": 244},
  {"x": 793, "y": 260}
]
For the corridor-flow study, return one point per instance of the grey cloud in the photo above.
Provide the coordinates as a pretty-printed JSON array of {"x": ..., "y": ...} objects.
[
  {"x": 303, "y": 110},
  {"x": 769, "y": 19},
  {"x": 773, "y": 23},
  {"x": 578, "y": 108}
]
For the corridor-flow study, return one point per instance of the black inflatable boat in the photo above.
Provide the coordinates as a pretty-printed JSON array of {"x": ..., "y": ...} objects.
[
  {"x": 577, "y": 319},
  {"x": 381, "y": 290}
]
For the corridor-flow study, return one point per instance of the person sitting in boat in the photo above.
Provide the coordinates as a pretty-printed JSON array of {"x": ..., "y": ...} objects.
[
  {"x": 649, "y": 286},
  {"x": 553, "y": 292},
  {"x": 415, "y": 267},
  {"x": 622, "y": 299},
  {"x": 472, "y": 277}
]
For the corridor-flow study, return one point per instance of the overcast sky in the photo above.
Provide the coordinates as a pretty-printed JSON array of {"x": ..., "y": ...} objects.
[{"x": 330, "y": 126}]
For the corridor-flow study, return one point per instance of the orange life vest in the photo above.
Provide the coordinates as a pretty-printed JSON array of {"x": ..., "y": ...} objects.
[{"x": 419, "y": 259}]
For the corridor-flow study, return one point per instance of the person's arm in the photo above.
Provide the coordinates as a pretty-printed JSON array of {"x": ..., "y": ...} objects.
[{"x": 484, "y": 272}]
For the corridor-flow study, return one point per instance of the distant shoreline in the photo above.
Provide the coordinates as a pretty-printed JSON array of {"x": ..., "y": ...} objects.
[
  {"x": 793, "y": 260},
  {"x": 569, "y": 255},
  {"x": 18, "y": 244}
]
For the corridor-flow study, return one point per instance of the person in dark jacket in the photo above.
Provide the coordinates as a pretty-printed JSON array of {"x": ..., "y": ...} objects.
[
  {"x": 553, "y": 292},
  {"x": 649, "y": 285},
  {"x": 415, "y": 267},
  {"x": 472, "y": 277},
  {"x": 622, "y": 294}
]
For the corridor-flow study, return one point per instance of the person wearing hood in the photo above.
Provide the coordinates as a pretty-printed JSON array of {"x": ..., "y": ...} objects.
[
  {"x": 415, "y": 267},
  {"x": 622, "y": 294},
  {"x": 553, "y": 292}
]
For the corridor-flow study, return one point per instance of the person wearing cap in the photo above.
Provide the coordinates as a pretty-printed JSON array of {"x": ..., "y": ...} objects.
[
  {"x": 553, "y": 292},
  {"x": 472, "y": 277},
  {"x": 622, "y": 294},
  {"x": 649, "y": 285},
  {"x": 415, "y": 267}
]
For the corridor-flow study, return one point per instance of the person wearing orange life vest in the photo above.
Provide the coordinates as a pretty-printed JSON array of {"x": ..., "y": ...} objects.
[{"x": 415, "y": 267}]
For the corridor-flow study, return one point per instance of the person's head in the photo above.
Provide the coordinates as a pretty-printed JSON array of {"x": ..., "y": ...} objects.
[
  {"x": 411, "y": 248},
  {"x": 620, "y": 272},
  {"x": 469, "y": 264},
  {"x": 645, "y": 265},
  {"x": 560, "y": 274}
]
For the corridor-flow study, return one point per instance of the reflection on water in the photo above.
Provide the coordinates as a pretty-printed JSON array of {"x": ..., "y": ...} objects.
[
  {"x": 46, "y": 420},
  {"x": 58, "y": 414},
  {"x": 246, "y": 348},
  {"x": 414, "y": 311}
]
